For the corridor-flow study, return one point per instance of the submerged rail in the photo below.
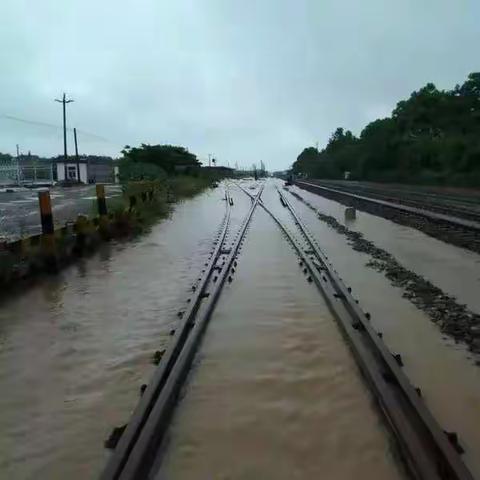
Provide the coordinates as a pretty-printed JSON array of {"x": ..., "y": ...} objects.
[
  {"x": 429, "y": 452},
  {"x": 137, "y": 452},
  {"x": 435, "y": 216}
]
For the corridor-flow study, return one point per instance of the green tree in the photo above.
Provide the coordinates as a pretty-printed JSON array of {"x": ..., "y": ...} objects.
[
  {"x": 169, "y": 158},
  {"x": 431, "y": 137}
]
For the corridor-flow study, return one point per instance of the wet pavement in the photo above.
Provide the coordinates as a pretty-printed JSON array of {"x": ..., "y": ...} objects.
[
  {"x": 19, "y": 210},
  {"x": 274, "y": 393}
]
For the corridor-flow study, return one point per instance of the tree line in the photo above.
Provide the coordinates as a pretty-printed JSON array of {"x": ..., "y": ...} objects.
[
  {"x": 149, "y": 162},
  {"x": 433, "y": 137}
]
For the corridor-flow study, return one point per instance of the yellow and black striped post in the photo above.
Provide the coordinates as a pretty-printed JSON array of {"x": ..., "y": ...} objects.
[
  {"x": 101, "y": 202},
  {"x": 48, "y": 233}
]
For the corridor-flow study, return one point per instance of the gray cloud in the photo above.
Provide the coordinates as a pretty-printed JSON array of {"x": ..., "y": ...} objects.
[{"x": 247, "y": 81}]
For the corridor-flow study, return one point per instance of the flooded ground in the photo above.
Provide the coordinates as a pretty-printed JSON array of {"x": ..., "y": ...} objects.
[
  {"x": 75, "y": 350},
  {"x": 441, "y": 263},
  {"x": 274, "y": 393},
  {"x": 447, "y": 375},
  {"x": 20, "y": 215}
]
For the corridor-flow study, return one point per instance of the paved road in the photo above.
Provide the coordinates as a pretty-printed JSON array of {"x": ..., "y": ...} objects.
[{"x": 19, "y": 214}]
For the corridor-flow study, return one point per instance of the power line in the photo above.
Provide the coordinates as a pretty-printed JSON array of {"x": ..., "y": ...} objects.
[{"x": 53, "y": 126}]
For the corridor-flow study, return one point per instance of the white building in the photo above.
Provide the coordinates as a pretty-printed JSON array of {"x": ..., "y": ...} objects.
[{"x": 75, "y": 172}]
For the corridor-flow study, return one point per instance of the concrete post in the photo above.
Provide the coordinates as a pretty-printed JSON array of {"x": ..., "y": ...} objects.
[{"x": 350, "y": 213}]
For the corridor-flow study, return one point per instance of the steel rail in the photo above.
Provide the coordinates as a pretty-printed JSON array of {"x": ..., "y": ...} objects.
[
  {"x": 435, "y": 216},
  {"x": 144, "y": 407},
  {"x": 428, "y": 452},
  {"x": 138, "y": 448},
  {"x": 424, "y": 446}
]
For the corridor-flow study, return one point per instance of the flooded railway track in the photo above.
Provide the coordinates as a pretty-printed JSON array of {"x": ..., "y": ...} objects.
[
  {"x": 134, "y": 454},
  {"x": 446, "y": 225},
  {"x": 428, "y": 451}
]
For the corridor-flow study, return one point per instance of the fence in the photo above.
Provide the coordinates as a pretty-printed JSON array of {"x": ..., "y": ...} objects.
[
  {"x": 35, "y": 174},
  {"x": 12, "y": 173}
]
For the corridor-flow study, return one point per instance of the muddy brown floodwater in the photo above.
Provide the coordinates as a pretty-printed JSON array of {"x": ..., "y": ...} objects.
[
  {"x": 445, "y": 371},
  {"x": 274, "y": 392},
  {"x": 75, "y": 349}
]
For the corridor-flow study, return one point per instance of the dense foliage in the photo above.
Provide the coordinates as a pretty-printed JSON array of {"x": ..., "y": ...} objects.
[
  {"x": 167, "y": 158},
  {"x": 433, "y": 137}
]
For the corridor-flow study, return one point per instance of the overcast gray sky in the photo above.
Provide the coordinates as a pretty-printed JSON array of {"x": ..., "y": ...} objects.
[{"x": 247, "y": 80}]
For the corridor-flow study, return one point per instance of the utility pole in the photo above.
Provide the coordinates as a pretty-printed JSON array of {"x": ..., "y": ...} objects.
[
  {"x": 76, "y": 153},
  {"x": 64, "y": 101},
  {"x": 209, "y": 159},
  {"x": 18, "y": 164}
]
